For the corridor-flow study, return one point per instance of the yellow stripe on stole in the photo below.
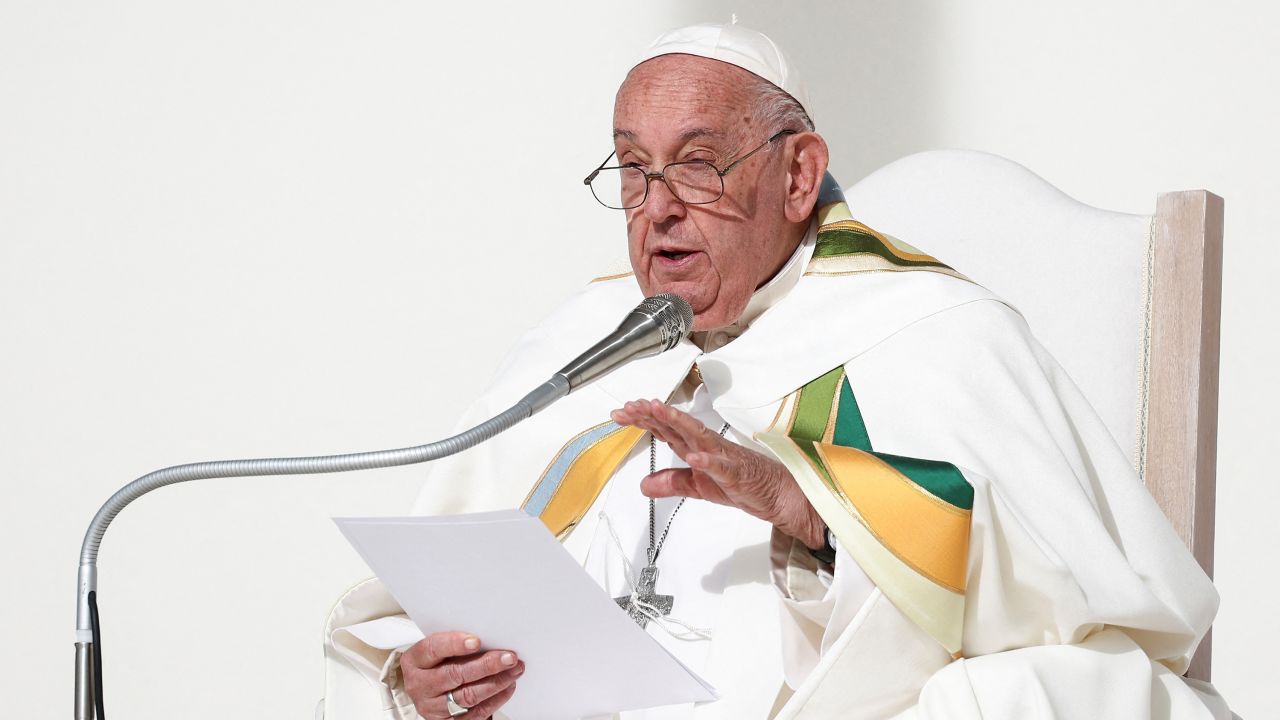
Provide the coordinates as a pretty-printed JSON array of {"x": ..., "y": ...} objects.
[
  {"x": 925, "y": 532},
  {"x": 937, "y": 610},
  {"x": 585, "y": 478}
]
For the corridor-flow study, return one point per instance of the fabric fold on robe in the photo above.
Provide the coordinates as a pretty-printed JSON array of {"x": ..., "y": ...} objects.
[{"x": 1074, "y": 598}]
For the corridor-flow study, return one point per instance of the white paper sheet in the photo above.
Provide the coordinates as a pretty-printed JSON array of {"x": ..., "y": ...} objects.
[{"x": 505, "y": 578}]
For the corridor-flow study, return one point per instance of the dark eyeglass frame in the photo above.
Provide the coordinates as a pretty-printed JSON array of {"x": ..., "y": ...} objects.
[{"x": 662, "y": 174}]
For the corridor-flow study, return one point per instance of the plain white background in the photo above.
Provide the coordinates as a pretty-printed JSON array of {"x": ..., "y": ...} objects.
[{"x": 274, "y": 228}]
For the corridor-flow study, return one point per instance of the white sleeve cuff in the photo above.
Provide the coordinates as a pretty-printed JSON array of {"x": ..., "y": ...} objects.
[{"x": 374, "y": 648}]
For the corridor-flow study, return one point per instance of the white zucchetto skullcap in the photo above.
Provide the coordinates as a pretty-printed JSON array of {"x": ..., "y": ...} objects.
[{"x": 750, "y": 50}]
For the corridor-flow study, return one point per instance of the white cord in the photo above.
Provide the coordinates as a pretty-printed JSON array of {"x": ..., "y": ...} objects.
[{"x": 688, "y": 633}]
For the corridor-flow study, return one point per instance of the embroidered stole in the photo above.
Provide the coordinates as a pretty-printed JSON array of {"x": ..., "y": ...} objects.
[{"x": 905, "y": 520}]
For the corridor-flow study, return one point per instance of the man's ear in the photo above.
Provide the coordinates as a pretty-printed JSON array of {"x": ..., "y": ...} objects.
[{"x": 809, "y": 158}]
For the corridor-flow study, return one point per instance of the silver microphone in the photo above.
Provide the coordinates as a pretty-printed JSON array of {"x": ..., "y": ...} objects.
[{"x": 654, "y": 326}]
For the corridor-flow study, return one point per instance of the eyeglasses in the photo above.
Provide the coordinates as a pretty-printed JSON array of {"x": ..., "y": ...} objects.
[{"x": 692, "y": 182}]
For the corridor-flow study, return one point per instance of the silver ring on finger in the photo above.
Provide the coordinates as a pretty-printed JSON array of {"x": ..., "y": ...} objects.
[{"x": 455, "y": 710}]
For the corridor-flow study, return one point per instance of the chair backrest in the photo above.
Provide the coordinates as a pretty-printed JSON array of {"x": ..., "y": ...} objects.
[{"x": 1128, "y": 304}]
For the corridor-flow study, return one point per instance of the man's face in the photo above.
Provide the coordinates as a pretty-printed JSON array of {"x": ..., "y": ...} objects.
[{"x": 681, "y": 107}]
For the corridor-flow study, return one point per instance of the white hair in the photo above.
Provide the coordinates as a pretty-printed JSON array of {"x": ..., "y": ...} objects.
[{"x": 774, "y": 110}]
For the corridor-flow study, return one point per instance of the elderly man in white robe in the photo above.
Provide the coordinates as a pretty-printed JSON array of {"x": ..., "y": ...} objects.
[{"x": 860, "y": 489}]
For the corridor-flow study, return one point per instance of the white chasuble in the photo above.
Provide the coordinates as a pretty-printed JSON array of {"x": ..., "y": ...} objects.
[
  {"x": 997, "y": 556},
  {"x": 707, "y": 547}
]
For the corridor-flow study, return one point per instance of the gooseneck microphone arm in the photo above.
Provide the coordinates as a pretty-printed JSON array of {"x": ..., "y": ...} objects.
[
  {"x": 658, "y": 324},
  {"x": 88, "y": 679}
]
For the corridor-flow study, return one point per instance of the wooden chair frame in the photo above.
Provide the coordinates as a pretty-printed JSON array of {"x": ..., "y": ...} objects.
[{"x": 1179, "y": 432}]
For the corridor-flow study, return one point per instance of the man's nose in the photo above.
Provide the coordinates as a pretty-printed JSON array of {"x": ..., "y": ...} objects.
[{"x": 662, "y": 204}]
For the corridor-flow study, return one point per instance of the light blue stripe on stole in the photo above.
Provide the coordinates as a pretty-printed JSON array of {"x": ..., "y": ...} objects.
[{"x": 550, "y": 482}]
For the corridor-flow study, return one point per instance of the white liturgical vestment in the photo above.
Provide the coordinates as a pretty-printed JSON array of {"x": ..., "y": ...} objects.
[
  {"x": 707, "y": 547},
  {"x": 997, "y": 556}
]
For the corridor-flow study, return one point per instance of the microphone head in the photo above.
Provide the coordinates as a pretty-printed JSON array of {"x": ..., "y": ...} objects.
[
  {"x": 672, "y": 313},
  {"x": 654, "y": 326}
]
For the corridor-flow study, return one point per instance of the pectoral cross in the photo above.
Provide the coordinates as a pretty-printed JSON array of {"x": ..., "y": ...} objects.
[{"x": 644, "y": 592}]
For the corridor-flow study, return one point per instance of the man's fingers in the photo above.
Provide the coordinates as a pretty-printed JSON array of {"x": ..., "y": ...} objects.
[
  {"x": 474, "y": 678},
  {"x": 652, "y": 425},
  {"x": 635, "y": 409},
  {"x": 682, "y": 482},
  {"x": 716, "y": 465},
  {"x": 652, "y": 418},
  {"x": 487, "y": 708},
  {"x": 437, "y": 647},
  {"x": 637, "y": 413},
  {"x": 680, "y": 421},
  {"x": 474, "y": 694},
  {"x": 680, "y": 430},
  {"x": 671, "y": 482},
  {"x": 695, "y": 436},
  {"x": 455, "y": 673},
  {"x": 673, "y": 436}
]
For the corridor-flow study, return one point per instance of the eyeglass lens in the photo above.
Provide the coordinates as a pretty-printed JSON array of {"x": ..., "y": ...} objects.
[{"x": 623, "y": 188}]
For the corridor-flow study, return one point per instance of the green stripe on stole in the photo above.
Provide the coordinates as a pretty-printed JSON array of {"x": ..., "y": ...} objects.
[
  {"x": 850, "y": 430},
  {"x": 837, "y": 241},
  {"x": 813, "y": 407},
  {"x": 942, "y": 479},
  {"x": 832, "y": 393},
  {"x": 817, "y": 402}
]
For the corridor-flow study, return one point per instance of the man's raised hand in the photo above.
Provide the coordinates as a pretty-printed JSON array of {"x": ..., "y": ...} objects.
[
  {"x": 722, "y": 471},
  {"x": 452, "y": 662}
]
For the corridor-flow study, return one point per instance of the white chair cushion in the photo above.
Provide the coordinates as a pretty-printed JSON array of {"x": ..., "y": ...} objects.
[{"x": 1077, "y": 273}]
